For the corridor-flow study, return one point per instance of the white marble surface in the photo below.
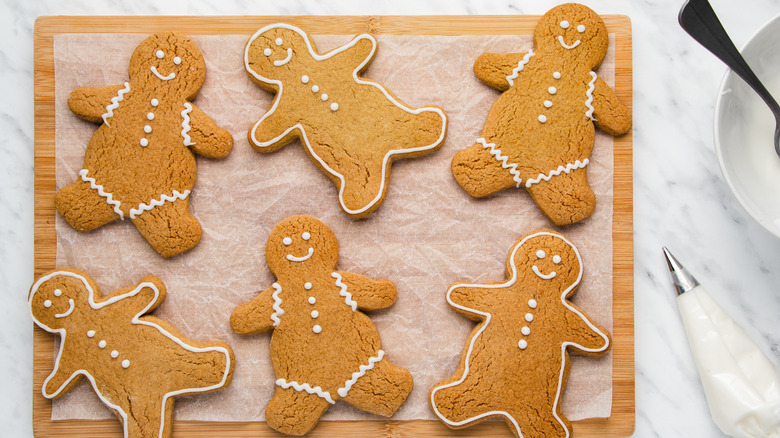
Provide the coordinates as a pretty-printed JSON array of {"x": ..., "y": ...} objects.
[{"x": 680, "y": 198}]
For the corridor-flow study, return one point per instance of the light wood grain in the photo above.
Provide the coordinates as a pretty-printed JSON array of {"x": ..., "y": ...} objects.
[{"x": 619, "y": 424}]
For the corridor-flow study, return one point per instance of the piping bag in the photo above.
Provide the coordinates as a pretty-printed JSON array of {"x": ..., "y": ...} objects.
[{"x": 741, "y": 384}]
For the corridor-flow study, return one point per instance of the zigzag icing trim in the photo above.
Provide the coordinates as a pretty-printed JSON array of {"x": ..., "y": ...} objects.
[
  {"x": 589, "y": 93},
  {"x": 569, "y": 167},
  {"x": 306, "y": 387},
  {"x": 115, "y": 103},
  {"x": 157, "y": 202},
  {"x": 511, "y": 78},
  {"x": 185, "y": 124},
  {"x": 347, "y": 296},
  {"x": 277, "y": 301},
  {"x": 109, "y": 197},
  {"x": 503, "y": 159},
  {"x": 343, "y": 391}
]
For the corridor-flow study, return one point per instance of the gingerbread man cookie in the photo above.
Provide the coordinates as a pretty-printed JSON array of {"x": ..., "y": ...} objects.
[
  {"x": 140, "y": 163},
  {"x": 516, "y": 361},
  {"x": 352, "y": 127},
  {"x": 539, "y": 133},
  {"x": 136, "y": 363},
  {"x": 323, "y": 348}
]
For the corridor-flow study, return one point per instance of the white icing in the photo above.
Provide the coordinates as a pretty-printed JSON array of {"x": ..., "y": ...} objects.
[
  {"x": 315, "y": 314},
  {"x": 168, "y": 77},
  {"x": 556, "y": 259},
  {"x": 300, "y": 127},
  {"x": 284, "y": 61},
  {"x": 305, "y": 79},
  {"x": 542, "y": 118},
  {"x": 525, "y": 330},
  {"x": 516, "y": 71},
  {"x": 155, "y": 102},
  {"x": 565, "y": 24},
  {"x": 176, "y": 195},
  {"x": 581, "y": 28},
  {"x": 277, "y": 304},
  {"x": 552, "y": 90},
  {"x": 549, "y": 276},
  {"x": 548, "y": 103},
  {"x": 334, "y": 106},
  {"x": 312, "y": 300},
  {"x": 57, "y": 292},
  {"x": 102, "y": 344},
  {"x": 293, "y": 258},
  {"x": 557, "y": 75},
  {"x": 47, "y": 304},
  {"x": 522, "y": 344},
  {"x": 278, "y": 41},
  {"x": 109, "y": 197},
  {"x": 589, "y": 93},
  {"x": 307, "y": 286},
  {"x": 343, "y": 292},
  {"x": 324, "y": 97},
  {"x": 488, "y": 318},
  {"x": 126, "y": 364},
  {"x": 568, "y": 168},
  {"x": 305, "y": 235},
  {"x": 532, "y": 303},
  {"x": 115, "y": 103},
  {"x": 185, "y": 124},
  {"x": 177, "y": 60},
  {"x": 529, "y": 317},
  {"x": 144, "y": 142},
  {"x": 541, "y": 254},
  {"x": 136, "y": 320},
  {"x": 315, "y": 88},
  {"x": 343, "y": 391},
  {"x": 267, "y": 52},
  {"x": 150, "y": 116},
  {"x": 91, "y": 334},
  {"x": 503, "y": 159},
  {"x": 72, "y": 305},
  {"x": 567, "y": 46},
  {"x": 287, "y": 241},
  {"x": 306, "y": 387},
  {"x": 147, "y": 129},
  {"x": 160, "y": 54},
  {"x": 316, "y": 329},
  {"x": 114, "y": 354}
]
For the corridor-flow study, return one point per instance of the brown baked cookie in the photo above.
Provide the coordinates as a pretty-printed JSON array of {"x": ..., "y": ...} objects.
[
  {"x": 140, "y": 162},
  {"x": 516, "y": 361},
  {"x": 539, "y": 132},
  {"x": 323, "y": 348},
  {"x": 352, "y": 127},
  {"x": 136, "y": 363}
]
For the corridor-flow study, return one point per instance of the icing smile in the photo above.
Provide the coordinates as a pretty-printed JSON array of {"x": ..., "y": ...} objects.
[
  {"x": 549, "y": 276},
  {"x": 285, "y": 60},
  {"x": 69, "y": 311},
  {"x": 566, "y": 46},
  {"x": 165, "y": 78},
  {"x": 292, "y": 258}
]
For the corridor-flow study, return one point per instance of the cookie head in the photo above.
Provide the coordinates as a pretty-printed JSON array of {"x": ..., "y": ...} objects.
[
  {"x": 301, "y": 243},
  {"x": 549, "y": 260},
  {"x": 169, "y": 59},
  {"x": 573, "y": 30},
  {"x": 56, "y": 299},
  {"x": 275, "y": 52}
]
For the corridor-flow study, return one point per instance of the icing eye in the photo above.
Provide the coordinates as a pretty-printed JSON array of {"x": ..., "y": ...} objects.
[
  {"x": 177, "y": 60},
  {"x": 565, "y": 24},
  {"x": 159, "y": 54},
  {"x": 287, "y": 241},
  {"x": 267, "y": 52},
  {"x": 278, "y": 41},
  {"x": 556, "y": 259},
  {"x": 57, "y": 292},
  {"x": 540, "y": 254},
  {"x": 581, "y": 28},
  {"x": 47, "y": 304},
  {"x": 306, "y": 236}
]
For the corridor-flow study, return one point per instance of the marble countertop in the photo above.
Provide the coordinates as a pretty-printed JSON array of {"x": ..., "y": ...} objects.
[{"x": 680, "y": 197}]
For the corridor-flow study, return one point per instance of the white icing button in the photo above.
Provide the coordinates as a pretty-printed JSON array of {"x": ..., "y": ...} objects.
[
  {"x": 552, "y": 90},
  {"x": 144, "y": 142},
  {"x": 155, "y": 102},
  {"x": 316, "y": 329},
  {"x": 287, "y": 241},
  {"x": 57, "y": 292},
  {"x": 160, "y": 54},
  {"x": 522, "y": 344},
  {"x": 532, "y": 303},
  {"x": 529, "y": 317},
  {"x": 540, "y": 254},
  {"x": 125, "y": 363},
  {"x": 324, "y": 97},
  {"x": 312, "y": 300},
  {"x": 556, "y": 259},
  {"x": 278, "y": 41},
  {"x": 581, "y": 28},
  {"x": 557, "y": 75},
  {"x": 306, "y": 236},
  {"x": 525, "y": 330},
  {"x": 334, "y": 106},
  {"x": 114, "y": 354},
  {"x": 315, "y": 313},
  {"x": 267, "y": 52},
  {"x": 547, "y": 103},
  {"x": 90, "y": 333},
  {"x": 542, "y": 118},
  {"x": 565, "y": 24},
  {"x": 148, "y": 129},
  {"x": 307, "y": 286},
  {"x": 315, "y": 88},
  {"x": 177, "y": 60},
  {"x": 102, "y": 344},
  {"x": 305, "y": 79},
  {"x": 47, "y": 303},
  {"x": 150, "y": 116}
]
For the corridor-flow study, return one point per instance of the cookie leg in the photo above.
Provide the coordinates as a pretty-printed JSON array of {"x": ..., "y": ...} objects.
[
  {"x": 144, "y": 417},
  {"x": 382, "y": 390},
  {"x": 459, "y": 404},
  {"x": 363, "y": 188},
  {"x": 566, "y": 198},
  {"x": 169, "y": 228},
  {"x": 480, "y": 170},
  {"x": 200, "y": 370},
  {"x": 543, "y": 424},
  {"x": 294, "y": 412},
  {"x": 82, "y": 207}
]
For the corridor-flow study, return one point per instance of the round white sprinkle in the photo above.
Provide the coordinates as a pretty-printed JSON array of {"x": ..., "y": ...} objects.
[
  {"x": 315, "y": 88},
  {"x": 114, "y": 354},
  {"x": 556, "y": 259},
  {"x": 542, "y": 118},
  {"x": 155, "y": 102},
  {"x": 144, "y": 142},
  {"x": 324, "y": 97},
  {"x": 557, "y": 75},
  {"x": 547, "y": 103},
  {"x": 159, "y": 54},
  {"x": 525, "y": 330},
  {"x": 278, "y": 41},
  {"x": 529, "y": 317},
  {"x": 305, "y": 79},
  {"x": 581, "y": 28},
  {"x": 267, "y": 52},
  {"x": 90, "y": 333},
  {"x": 565, "y": 24},
  {"x": 125, "y": 363},
  {"x": 315, "y": 313},
  {"x": 147, "y": 129},
  {"x": 287, "y": 241},
  {"x": 47, "y": 303},
  {"x": 307, "y": 286},
  {"x": 57, "y": 292},
  {"x": 316, "y": 329},
  {"x": 150, "y": 116},
  {"x": 334, "y": 106},
  {"x": 541, "y": 254},
  {"x": 305, "y": 236},
  {"x": 522, "y": 344},
  {"x": 102, "y": 344},
  {"x": 532, "y": 303},
  {"x": 312, "y": 300},
  {"x": 552, "y": 90},
  {"x": 177, "y": 60}
]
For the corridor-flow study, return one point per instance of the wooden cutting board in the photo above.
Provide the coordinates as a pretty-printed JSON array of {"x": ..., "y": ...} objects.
[{"x": 619, "y": 424}]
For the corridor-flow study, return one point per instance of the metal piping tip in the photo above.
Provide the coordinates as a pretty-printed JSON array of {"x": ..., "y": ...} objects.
[{"x": 682, "y": 279}]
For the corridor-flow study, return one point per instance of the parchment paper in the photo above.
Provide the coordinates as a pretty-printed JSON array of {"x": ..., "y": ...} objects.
[{"x": 427, "y": 235}]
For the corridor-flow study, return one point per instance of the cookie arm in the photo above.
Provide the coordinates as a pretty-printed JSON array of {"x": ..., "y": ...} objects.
[
  {"x": 358, "y": 54},
  {"x": 610, "y": 115},
  {"x": 136, "y": 300},
  {"x": 499, "y": 70},
  {"x": 275, "y": 129},
  {"x": 588, "y": 338},
  {"x": 61, "y": 379},
  {"x": 368, "y": 293},
  {"x": 472, "y": 300},
  {"x": 205, "y": 137},
  {"x": 90, "y": 103},
  {"x": 257, "y": 316}
]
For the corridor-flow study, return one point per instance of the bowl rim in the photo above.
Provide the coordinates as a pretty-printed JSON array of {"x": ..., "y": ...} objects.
[{"x": 771, "y": 227}]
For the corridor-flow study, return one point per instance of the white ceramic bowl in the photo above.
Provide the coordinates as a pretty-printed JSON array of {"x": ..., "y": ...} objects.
[{"x": 744, "y": 130}]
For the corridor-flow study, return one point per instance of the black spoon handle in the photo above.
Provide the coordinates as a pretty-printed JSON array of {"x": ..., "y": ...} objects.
[{"x": 700, "y": 21}]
